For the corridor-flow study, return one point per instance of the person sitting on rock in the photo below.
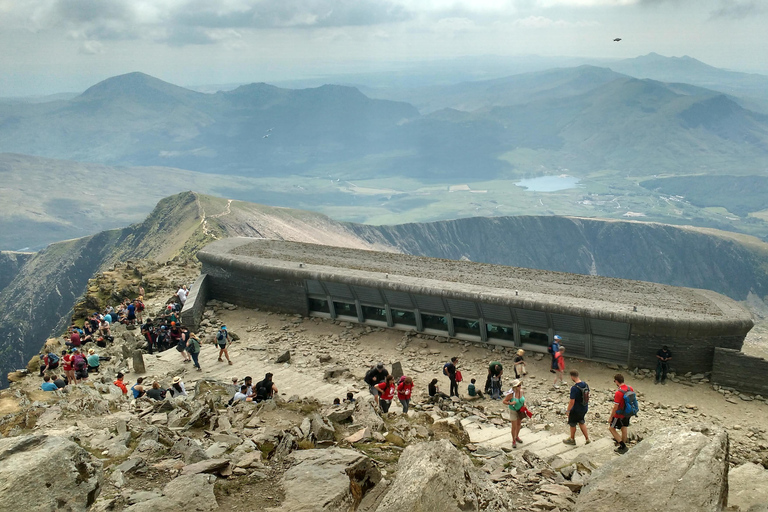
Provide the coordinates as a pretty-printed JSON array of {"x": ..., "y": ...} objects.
[
  {"x": 177, "y": 388},
  {"x": 120, "y": 384},
  {"x": 265, "y": 389},
  {"x": 104, "y": 329},
  {"x": 138, "y": 388},
  {"x": 93, "y": 361},
  {"x": 80, "y": 364},
  {"x": 50, "y": 361},
  {"x": 350, "y": 398},
  {"x": 336, "y": 402},
  {"x": 60, "y": 383},
  {"x": 434, "y": 392},
  {"x": 74, "y": 338},
  {"x": 472, "y": 389},
  {"x": 242, "y": 395},
  {"x": 47, "y": 385},
  {"x": 156, "y": 392}
]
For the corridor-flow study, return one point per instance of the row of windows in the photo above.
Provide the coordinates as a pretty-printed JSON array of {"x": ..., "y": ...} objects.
[{"x": 430, "y": 322}]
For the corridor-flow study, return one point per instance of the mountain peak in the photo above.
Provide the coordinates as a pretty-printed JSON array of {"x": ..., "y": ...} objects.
[{"x": 136, "y": 85}]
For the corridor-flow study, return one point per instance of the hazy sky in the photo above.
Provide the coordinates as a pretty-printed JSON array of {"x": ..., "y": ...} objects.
[{"x": 49, "y": 46}]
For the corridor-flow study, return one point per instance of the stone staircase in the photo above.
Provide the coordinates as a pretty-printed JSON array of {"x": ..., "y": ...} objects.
[{"x": 545, "y": 444}]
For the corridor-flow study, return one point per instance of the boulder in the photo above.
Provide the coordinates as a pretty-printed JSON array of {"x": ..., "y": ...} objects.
[
  {"x": 450, "y": 428},
  {"x": 322, "y": 429},
  {"x": 748, "y": 487},
  {"x": 191, "y": 493},
  {"x": 437, "y": 476},
  {"x": 365, "y": 415},
  {"x": 694, "y": 475},
  {"x": 189, "y": 450},
  {"x": 397, "y": 370},
  {"x": 331, "y": 479},
  {"x": 333, "y": 372},
  {"x": 285, "y": 357},
  {"x": 339, "y": 413},
  {"x": 47, "y": 473},
  {"x": 363, "y": 434},
  {"x": 206, "y": 466},
  {"x": 138, "y": 362}
]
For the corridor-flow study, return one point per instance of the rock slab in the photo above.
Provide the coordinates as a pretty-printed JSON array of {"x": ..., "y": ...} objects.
[
  {"x": 675, "y": 470},
  {"x": 47, "y": 473},
  {"x": 748, "y": 487},
  {"x": 190, "y": 493},
  {"x": 437, "y": 476}
]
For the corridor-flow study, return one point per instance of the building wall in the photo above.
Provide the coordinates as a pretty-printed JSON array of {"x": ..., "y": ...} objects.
[
  {"x": 251, "y": 290},
  {"x": 739, "y": 371},
  {"x": 194, "y": 307},
  {"x": 689, "y": 354}
]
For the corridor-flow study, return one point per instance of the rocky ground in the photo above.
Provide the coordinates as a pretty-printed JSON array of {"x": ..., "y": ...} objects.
[{"x": 299, "y": 452}]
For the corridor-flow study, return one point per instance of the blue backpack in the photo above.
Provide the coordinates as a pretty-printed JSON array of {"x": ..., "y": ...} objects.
[
  {"x": 631, "y": 407},
  {"x": 52, "y": 359}
]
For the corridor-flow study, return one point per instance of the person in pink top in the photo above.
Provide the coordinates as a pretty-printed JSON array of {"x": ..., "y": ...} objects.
[
  {"x": 404, "y": 389},
  {"x": 387, "y": 391}
]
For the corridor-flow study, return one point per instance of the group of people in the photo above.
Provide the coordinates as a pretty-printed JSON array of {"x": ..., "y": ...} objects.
[
  {"x": 74, "y": 363},
  {"x": 383, "y": 387},
  {"x": 156, "y": 390},
  {"x": 246, "y": 391}
]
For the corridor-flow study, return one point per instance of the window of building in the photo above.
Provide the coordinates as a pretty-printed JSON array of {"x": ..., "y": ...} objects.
[
  {"x": 374, "y": 313},
  {"x": 500, "y": 332},
  {"x": 435, "y": 322},
  {"x": 345, "y": 309},
  {"x": 464, "y": 326},
  {"x": 319, "y": 305},
  {"x": 403, "y": 317},
  {"x": 534, "y": 337}
]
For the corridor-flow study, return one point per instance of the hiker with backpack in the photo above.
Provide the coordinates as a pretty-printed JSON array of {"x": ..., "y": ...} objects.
[
  {"x": 493, "y": 382},
  {"x": 577, "y": 408},
  {"x": 265, "y": 389},
  {"x": 553, "y": 349},
  {"x": 559, "y": 367},
  {"x": 374, "y": 376},
  {"x": 404, "y": 389},
  {"x": 449, "y": 370},
  {"x": 223, "y": 340},
  {"x": 193, "y": 347},
  {"x": 624, "y": 406},
  {"x": 50, "y": 361}
]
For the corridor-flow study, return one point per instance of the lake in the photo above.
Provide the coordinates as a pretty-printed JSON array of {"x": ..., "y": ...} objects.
[{"x": 548, "y": 183}]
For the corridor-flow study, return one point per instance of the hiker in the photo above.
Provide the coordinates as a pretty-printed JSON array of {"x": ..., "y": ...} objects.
[
  {"x": 93, "y": 361},
  {"x": 265, "y": 389},
  {"x": 156, "y": 393},
  {"x": 138, "y": 388},
  {"x": 80, "y": 364},
  {"x": 181, "y": 345},
  {"x": 375, "y": 375},
  {"x": 404, "y": 389},
  {"x": 248, "y": 381},
  {"x": 223, "y": 339},
  {"x": 472, "y": 389},
  {"x": 387, "y": 392},
  {"x": 130, "y": 316},
  {"x": 60, "y": 383},
  {"x": 148, "y": 330},
  {"x": 662, "y": 365},
  {"x": 193, "y": 347},
  {"x": 449, "y": 369},
  {"x": 242, "y": 395},
  {"x": 68, "y": 368},
  {"x": 553, "y": 350},
  {"x": 182, "y": 294},
  {"x": 617, "y": 419},
  {"x": 50, "y": 361},
  {"x": 519, "y": 363},
  {"x": 139, "y": 303},
  {"x": 74, "y": 338},
  {"x": 177, "y": 388},
  {"x": 104, "y": 329},
  {"x": 120, "y": 384},
  {"x": 559, "y": 367},
  {"x": 577, "y": 408},
  {"x": 515, "y": 401},
  {"x": 350, "y": 398},
  {"x": 434, "y": 391},
  {"x": 47, "y": 385},
  {"x": 493, "y": 382}
]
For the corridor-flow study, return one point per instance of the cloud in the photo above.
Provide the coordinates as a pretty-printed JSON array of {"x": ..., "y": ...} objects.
[
  {"x": 543, "y": 22},
  {"x": 736, "y": 9}
]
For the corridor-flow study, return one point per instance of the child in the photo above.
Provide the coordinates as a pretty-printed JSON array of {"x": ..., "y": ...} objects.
[
  {"x": 520, "y": 364},
  {"x": 472, "y": 391}
]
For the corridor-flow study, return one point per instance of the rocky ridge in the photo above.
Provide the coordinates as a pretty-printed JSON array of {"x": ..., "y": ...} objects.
[{"x": 147, "y": 455}]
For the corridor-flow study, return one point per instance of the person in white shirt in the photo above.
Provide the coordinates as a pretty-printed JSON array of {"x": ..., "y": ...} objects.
[{"x": 182, "y": 294}]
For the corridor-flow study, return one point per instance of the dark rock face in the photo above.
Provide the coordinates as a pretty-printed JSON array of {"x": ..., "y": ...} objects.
[{"x": 11, "y": 264}]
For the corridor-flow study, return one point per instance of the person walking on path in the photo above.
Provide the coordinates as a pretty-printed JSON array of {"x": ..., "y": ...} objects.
[
  {"x": 224, "y": 340},
  {"x": 193, "y": 348},
  {"x": 617, "y": 421},
  {"x": 519, "y": 363},
  {"x": 577, "y": 408},
  {"x": 374, "y": 376},
  {"x": 662, "y": 365},
  {"x": 554, "y": 348},
  {"x": 449, "y": 369},
  {"x": 515, "y": 401},
  {"x": 404, "y": 389},
  {"x": 559, "y": 367},
  {"x": 387, "y": 391}
]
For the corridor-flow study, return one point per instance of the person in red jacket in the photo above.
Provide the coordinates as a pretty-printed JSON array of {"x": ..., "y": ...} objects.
[
  {"x": 387, "y": 392},
  {"x": 616, "y": 419},
  {"x": 559, "y": 367},
  {"x": 119, "y": 383},
  {"x": 68, "y": 366},
  {"x": 404, "y": 389}
]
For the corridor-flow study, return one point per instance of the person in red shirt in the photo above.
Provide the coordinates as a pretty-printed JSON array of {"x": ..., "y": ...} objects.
[
  {"x": 404, "y": 389},
  {"x": 119, "y": 383},
  {"x": 559, "y": 367},
  {"x": 387, "y": 391},
  {"x": 617, "y": 421},
  {"x": 68, "y": 367}
]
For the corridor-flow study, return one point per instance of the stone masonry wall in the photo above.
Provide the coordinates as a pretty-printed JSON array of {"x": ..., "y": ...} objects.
[
  {"x": 252, "y": 291},
  {"x": 690, "y": 354},
  {"x": 194, "y": 307},
  {"x": 739, "y": 371}
]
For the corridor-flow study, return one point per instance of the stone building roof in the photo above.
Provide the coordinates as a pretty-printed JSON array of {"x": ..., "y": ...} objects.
[{"x": 557, "y": 292}]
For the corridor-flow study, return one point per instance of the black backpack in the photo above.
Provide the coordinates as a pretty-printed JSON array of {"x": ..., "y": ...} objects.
[{"x": 584, "y": 395}]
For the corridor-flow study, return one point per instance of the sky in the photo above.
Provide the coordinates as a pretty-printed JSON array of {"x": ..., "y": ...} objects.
[{"x": 50, "y": 46}]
